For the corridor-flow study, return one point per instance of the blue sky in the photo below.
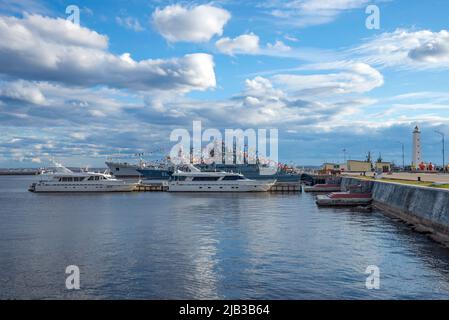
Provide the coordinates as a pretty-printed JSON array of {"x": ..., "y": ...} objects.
[{"x": 135, "y": 70}]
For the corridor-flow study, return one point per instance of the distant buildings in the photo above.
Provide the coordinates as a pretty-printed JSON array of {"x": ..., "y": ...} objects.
[
  {"x": 417, "y": 164},
  {"x": 331, "y": 167},
  {"x": 359, "y": 166},
  {"x": 356, "y": 166}
]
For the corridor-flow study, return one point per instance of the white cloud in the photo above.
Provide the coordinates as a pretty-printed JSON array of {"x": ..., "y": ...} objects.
[
  {"x": 36, "y": 160},
  {"x": 249, "y": 44},
  {"x": 60, "y": 105},
  {"x": 245, "y": 43},
  {"x": 314, "y": 96},
  {"x": 130, "y": 23},
  {"x": 21, "y": 91},
  {"x": 34, "y": 30},
  {"x": 42, "y": 48},
  {"x": 423, "y": 49},
  {"x": 278, "y": 46},
  {"x": 438, "y": 97},
  {"x": 351, "y": 77},
  {"x": 303, "y": 13},
  {"x": 190, "y": 24},
  {"x": 79, "y": 135},
  {"x": 261, "y": 88},
  {"x": 263, "y": 102},
  {"x": 291, "y": 38}
]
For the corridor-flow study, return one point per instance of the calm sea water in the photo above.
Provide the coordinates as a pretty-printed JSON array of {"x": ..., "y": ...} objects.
[{"x": 214, "y": 246}]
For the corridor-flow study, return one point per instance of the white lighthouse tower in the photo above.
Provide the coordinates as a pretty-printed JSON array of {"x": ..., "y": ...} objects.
[{"x": 416, "y": 156}]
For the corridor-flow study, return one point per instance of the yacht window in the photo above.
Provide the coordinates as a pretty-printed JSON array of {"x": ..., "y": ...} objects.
[
  {"x": 97, "y": 178},
  {"x": 91, "y": 178},
  {"x": 231, "y": 178},
  {"x": 205, "y": 178}
]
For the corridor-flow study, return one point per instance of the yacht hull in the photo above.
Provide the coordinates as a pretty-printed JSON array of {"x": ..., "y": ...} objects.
[
  {"x": 72, "y": 188},
  {"x": 252, "y": 186}
]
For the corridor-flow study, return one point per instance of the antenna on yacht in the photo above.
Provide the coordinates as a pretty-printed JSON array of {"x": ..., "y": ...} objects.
[{"x": 59, "y": 167}]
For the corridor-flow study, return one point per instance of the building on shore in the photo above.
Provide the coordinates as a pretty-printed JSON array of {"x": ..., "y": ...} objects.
[
  {"x": 416, "y": 153},
  {"x": 334, "y": 167},
  {"x": 330, "y": 167},
  {"x": 359, "y": 166},
  {"x": 356, "y": 166}
]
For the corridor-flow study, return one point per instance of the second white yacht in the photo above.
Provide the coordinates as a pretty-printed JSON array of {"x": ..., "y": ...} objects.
[{"x": 197, "y": 181}]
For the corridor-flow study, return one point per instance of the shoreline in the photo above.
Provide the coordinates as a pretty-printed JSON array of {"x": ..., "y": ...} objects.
[{"x": 425, "y": 208}]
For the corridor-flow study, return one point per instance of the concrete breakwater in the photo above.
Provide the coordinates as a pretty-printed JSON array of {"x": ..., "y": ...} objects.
[{"x": 426, "y": 208}]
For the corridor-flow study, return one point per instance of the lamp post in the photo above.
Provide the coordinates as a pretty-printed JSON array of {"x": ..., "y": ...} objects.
[
  {"x": 442, "y": 139},
  {"x": 403, "y": 157}
]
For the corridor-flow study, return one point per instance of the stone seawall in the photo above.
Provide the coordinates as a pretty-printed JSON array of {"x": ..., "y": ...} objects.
[{"x": 426, "y": 208}]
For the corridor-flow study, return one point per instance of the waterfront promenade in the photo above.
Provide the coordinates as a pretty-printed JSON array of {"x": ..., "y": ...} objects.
[{"x": 408, "y": 176}]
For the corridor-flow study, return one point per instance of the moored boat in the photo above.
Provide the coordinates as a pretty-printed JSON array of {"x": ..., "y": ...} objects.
[
  {"x": 198, "y": 181},
  {"x": 344, "y": 199},
  {"x": 69, "y": 181},
  {"x": 254, "y": 171},
  {"x": 323, "y": 188}
]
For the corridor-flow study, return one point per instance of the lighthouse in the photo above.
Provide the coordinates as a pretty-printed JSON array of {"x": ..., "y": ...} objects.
[{"x": 417, "y": 155}]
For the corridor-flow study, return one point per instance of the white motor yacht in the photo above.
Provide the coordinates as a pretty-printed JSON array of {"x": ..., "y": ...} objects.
[
  {"x": 65, "y": 180},
  {"x": 197, "y": 181}
]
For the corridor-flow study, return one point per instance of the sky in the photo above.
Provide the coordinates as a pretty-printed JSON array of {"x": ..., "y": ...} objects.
[{"x": 132, "y": 71}]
